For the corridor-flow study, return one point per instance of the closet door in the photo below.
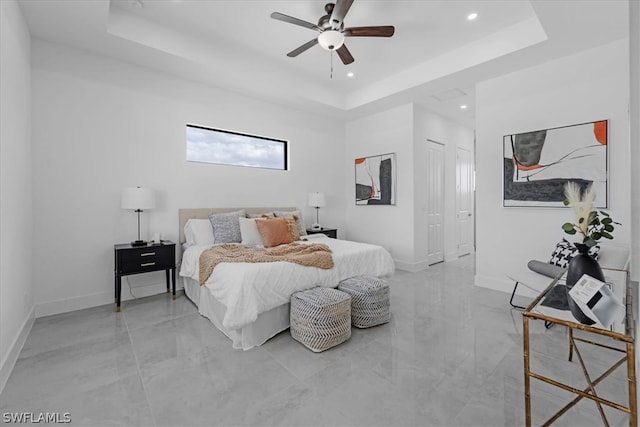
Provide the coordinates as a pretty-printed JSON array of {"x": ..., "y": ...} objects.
[
  {"x": 435, "y": 202},
  {"x": 464, "y": 202}
]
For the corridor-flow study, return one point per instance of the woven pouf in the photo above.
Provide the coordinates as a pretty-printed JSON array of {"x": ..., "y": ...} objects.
[
  {"x": 320, "y": 318},
  {"x": 369, "y": 300}
]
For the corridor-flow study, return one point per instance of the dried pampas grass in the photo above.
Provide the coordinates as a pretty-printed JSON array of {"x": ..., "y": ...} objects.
[
  {"x": 589, "y": 223},
  {"x": 582, "y": 204}
]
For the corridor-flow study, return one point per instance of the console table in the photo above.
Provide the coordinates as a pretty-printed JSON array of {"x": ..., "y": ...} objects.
[{"x": 621, "y": 338}]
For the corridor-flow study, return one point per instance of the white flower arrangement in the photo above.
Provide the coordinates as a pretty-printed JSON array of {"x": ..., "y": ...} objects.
[{"x": 589, "y": 223}]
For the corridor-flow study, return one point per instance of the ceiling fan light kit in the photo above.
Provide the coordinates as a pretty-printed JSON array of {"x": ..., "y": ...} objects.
[
  {"x": 331, "y": 39},
  {"x": 332, "y": 30}
]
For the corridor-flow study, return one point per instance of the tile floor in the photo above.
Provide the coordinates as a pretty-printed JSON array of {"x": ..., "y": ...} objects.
[{"x": 451, "y": 356}]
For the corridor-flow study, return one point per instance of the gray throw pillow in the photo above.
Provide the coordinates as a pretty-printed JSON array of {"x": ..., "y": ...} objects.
[{"x": 226, "y": 226}]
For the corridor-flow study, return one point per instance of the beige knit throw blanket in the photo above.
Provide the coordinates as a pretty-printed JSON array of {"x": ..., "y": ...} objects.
[{"x": 310, "y": 255}]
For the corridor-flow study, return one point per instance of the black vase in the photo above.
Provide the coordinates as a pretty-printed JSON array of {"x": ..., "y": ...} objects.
[{"x": 581, "y": 264}]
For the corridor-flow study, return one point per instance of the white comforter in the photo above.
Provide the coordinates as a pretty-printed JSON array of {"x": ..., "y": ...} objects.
[{"x": 249, "y": 289}]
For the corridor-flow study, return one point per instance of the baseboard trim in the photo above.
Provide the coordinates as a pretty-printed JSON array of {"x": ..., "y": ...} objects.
[
  {"x": 502, "y": 284},
  {"x": 411, "y": 267},
  {"x": 450, "y": 256},
  {"x": 16, "y": 347},
  {"x": 66, "y": 305}
]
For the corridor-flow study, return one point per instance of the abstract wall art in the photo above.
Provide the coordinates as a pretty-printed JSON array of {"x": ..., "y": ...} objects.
[
  {"x": 538, "y": 164},
  {"x": 376, "y": 180}
]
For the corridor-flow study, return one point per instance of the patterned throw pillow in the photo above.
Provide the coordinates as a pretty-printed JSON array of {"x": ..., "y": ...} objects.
[
  {"x": 297, "y": 215},
  {"x": 262, "y": 215},
  {"x": 226, "y": 226},
  {"x": 293, "y": 227},
  {"x": 565, "y": 251}
]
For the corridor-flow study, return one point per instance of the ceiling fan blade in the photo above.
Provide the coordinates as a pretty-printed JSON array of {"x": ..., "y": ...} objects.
[
  {"x": 291, "y": 20},
  {"x": 339, "y": 11},
  {"x": 382, "y": 31},
  {"x": 299, "y": 50},
  {"x": 345, "y": 55}
]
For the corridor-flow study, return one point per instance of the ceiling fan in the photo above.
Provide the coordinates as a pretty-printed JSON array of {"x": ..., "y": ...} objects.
[{"x": 332, "y": 30}]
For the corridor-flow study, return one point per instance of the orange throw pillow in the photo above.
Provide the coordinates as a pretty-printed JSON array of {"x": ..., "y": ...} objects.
[{"x": 274, "y": 232}]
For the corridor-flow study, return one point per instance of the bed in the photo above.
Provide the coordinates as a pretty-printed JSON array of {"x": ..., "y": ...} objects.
[{"x": 249, "y": 302}]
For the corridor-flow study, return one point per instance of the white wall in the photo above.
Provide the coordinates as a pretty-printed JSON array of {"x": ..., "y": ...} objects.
[
  {"x": 429, "y": 125},
  {"x": 402, "y": 228},
  {"x": 587, "y": 86},
  {"x": 389, "y": 226},
  {"x": 16, "y": 212},
  {"x": 634, "y": 114},
  {"x": 101, "y": 125}
]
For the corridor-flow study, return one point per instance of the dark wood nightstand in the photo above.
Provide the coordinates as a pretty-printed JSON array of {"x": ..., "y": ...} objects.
[
  {"x": 329, "y": 232},
  {"x": 144, "y": 259}
]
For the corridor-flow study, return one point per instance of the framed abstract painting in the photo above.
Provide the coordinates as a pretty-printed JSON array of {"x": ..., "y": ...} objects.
[
  {"x": 538, "y": 164},
  {"x": 376, "y": 180}
]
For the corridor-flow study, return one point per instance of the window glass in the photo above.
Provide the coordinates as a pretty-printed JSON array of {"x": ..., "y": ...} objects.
[{"x": 207, "y": 145}]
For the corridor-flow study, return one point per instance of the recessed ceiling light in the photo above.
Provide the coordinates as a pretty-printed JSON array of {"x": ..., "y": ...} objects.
[
  {"x": 350, "y": 74},
  {"x": 463, "y": 107},
  {"x": 472, "y": 16}
]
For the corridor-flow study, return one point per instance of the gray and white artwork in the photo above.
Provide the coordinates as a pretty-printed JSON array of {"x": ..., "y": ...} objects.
[
  {"x": 375, "y": 180},
  {"x": 538, "y": 164}
]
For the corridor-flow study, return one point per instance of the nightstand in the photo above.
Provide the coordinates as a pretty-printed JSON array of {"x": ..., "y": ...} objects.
[
  {"x": 144, "y": 259},
  {"x": 329, "y": 232}
]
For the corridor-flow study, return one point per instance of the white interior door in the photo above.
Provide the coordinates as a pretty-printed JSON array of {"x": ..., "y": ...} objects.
[
  {"x": 435, "y": 202},
  {"x": 464, "y": 201}
]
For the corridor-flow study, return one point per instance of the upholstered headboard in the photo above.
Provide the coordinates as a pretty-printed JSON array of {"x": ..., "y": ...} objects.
[{"x": 203, "y": 213}]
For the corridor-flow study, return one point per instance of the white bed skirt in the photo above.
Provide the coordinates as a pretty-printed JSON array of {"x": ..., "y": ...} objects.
[{"x": 267, "y": 325}]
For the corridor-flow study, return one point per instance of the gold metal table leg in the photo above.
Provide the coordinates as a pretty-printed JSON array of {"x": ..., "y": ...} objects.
[
  {"x": 570, "y": 344},
  {"x": 631, "y": 376},
  {"x": 590, "y": 384},
  {"x": 527, "y": 367}
]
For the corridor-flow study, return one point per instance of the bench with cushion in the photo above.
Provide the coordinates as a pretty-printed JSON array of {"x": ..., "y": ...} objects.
[{"x": 538, "y": 274}]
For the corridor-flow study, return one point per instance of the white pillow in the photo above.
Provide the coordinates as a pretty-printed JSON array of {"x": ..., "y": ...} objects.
[
  {"x": 198, "y": 232},
  {"x": 249, "y": 232}
]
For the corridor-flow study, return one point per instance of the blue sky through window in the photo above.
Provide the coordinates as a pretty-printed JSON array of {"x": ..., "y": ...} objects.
[{"x": 229, "y": 148}]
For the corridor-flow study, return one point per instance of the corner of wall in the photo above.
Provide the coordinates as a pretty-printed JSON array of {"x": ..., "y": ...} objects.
[
  {"x": 411, "y": 267},
  {"x": 16, "y": 187},
  {"x": 15, "y": 348}
]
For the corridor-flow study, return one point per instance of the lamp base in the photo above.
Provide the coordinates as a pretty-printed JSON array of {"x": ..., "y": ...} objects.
[
  {"x": 316, "y": 226},
  {"x": 139, "y": 243}
]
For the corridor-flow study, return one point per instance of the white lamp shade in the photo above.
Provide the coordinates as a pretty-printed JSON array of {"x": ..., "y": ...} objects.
[
  {"x": 138, "y": 198},
  {"x": 316, "y": 200},
  {"x": 331, "y": 39}
]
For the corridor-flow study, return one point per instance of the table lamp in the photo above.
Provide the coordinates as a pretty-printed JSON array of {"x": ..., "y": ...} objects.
[
  {"x": 316, "y": 200},
  {"x": 138, "y": 199}
]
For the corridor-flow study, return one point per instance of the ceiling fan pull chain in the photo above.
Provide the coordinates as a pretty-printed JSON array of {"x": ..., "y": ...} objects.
[{"x": 331, "y": 55}]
